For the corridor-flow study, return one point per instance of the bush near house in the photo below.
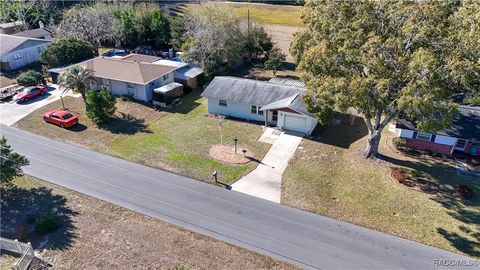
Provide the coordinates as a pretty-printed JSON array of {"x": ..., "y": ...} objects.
[
  {"x": 30, "y": 78},
  {"x": 100, "y": 105},
  {"x": 66, "y": 51},
  {"x": 45, "y": 223}
]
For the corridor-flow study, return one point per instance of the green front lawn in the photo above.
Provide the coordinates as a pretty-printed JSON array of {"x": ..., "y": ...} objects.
[
  {"x": 178, "y": 140},
  {"x": 330, "y": 177}
]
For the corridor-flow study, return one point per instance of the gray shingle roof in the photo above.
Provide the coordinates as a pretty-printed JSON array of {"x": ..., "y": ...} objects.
[
  {"x": 260, "y": 93},
  {"x": 287, "y": 81},
  {"x": 248, "y": 91},
  {"x": 9, "y": 43},
  {"x": 33, "y": 33},
  {"x": 466, "y": 125}
]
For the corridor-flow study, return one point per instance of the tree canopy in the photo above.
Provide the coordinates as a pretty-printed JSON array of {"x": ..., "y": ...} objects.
[
  {"x": 91, "y": 23},
  {"x": 143, "y": 23},
  {"x": 30, "y": 12},
  {"x": 383, "y": 58},
  {"x": 11, "y": 163},
  {"x": 66, "y": 51},
  {"x": 214, "y": 38},
  {"x": 77, "y": 79}
]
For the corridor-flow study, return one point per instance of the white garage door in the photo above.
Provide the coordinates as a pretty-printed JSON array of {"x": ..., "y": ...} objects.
[{"x": 295, "y": 123}]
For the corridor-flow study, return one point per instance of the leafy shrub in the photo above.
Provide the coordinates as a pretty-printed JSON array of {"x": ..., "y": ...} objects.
[
  {"x": 100, "y": 105},
  {"x": 30, "y": 78},
  {"x": 45, "y": 223},
  {"x": 399, "y": 143},
  {"x": 66, "y": 51},
  {"x": 464, "y": 192},
  {"x": 416, "y": 173}
]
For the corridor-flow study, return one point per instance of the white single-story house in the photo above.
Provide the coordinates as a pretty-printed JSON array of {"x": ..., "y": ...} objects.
[
  {"x": 17, "y": 52},
  {"x": 463, "y": 136},
  {"x": 279, "y": 105}
]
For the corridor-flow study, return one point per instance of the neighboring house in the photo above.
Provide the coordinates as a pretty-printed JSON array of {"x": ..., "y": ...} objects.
[
  {"x": 462, "y": 136},
  {"x": 122, "y": 77},
  {"x": 12, "y": 27},
  {"x": 40, "y": 33},
  {"x": 17, "y": 52},
  {"x": 279, "y": 105}
]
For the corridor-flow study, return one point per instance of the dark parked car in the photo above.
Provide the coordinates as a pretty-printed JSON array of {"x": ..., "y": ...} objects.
[{"x": 115, "y": 53}]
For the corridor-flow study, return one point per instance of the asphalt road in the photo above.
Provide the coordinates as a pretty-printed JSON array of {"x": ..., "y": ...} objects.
[{"x": 307, "y": 240}]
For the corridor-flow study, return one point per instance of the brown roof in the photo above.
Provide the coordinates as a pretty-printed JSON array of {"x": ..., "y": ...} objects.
[
  {"x": 126, "y": 71},
  {"x": 141, "y": 58}
]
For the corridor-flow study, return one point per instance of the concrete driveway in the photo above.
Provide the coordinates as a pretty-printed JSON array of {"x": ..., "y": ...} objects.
[
  {"x": 266, "y": 180},
  {"x": 11, "y": 112}
]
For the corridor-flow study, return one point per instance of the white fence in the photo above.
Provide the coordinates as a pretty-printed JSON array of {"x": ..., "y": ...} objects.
[{"x": 24, "y": 249}]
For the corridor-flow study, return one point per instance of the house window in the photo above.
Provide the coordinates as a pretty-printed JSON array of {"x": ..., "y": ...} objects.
[
  {"x": 17, "y": 56},
  {"x": 256, "y": 110},
  {"x": 461, "y": 144},
  {"x": 423, "y": 136},
  {"x": 165, "y": 77},
  {"x": 130, "y": 86},
  {"x": 222, "y": 102}
]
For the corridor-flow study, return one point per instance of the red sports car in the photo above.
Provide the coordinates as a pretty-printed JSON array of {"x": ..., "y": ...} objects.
[
  {"x": 30, "y": 92},
  {"x": 61, "y": 118}
]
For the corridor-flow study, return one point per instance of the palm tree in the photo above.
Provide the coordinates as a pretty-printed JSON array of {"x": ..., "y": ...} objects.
[{"x": 77, "y": 79}]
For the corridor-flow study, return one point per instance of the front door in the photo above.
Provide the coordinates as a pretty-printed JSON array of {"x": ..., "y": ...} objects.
[{"x": 274, "y": 117}]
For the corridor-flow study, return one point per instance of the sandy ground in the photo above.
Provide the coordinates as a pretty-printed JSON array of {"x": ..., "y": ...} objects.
[
  {"x": 105, "y": 236},
  {"x": 283, "y": 36}
]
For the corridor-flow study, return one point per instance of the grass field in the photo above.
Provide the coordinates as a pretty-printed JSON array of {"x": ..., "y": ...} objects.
[
  {"x": 177, "y": 140},
  {"x": 98, "y": 235},
  {"x": 331, "y": 178},
  {"x": 262, "y": 13}
]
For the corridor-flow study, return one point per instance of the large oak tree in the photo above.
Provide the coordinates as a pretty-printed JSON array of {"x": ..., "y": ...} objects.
[{"x": 382, "y": 58}]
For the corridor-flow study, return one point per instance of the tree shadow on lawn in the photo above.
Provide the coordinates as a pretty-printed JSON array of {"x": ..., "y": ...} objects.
[
  {"x": 444, "y": 172},
  {"x": 126, "y": 124},
  {"x": 21, "y": 207},
  {"x": 342, "y": 134}
]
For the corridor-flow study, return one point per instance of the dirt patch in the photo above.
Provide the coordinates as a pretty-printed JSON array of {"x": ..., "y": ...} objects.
[
  {"x": 282, "y": 36},
  {"x": 105, "y": 236},
  {"x": 226, "y": 153},
  {"x": 409, "y": 179}
]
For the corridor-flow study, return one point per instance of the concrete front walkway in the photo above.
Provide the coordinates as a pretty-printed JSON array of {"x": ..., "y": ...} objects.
[{"x": 266, "y": 180}]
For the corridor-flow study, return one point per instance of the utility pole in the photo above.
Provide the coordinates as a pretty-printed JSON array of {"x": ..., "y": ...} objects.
[{"x": 248, "y": 23}]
